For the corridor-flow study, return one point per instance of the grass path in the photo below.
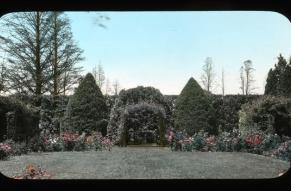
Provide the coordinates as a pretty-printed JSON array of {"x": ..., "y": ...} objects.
[{"x": 147, "y": 163}]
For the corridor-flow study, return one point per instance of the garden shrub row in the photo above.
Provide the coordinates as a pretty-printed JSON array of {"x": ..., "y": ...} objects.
[
  {"x": 253, "y": 141},
  {"x": 66, "y": 141}
]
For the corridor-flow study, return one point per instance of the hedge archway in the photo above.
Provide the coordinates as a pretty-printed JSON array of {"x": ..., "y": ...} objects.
[
  {"x": 143, "y": 123},
  {"x": 128, "y": 110}
]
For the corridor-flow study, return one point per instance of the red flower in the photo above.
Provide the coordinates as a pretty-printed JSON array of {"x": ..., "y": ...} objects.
[
  {"x": 211, "y": 140},
  {"x": 254, "y": 140}
]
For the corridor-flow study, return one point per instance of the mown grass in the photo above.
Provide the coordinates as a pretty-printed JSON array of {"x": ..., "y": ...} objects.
[{"x": 147, "y": 163}]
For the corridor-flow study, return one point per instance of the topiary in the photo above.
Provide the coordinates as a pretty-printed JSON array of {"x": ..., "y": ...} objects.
[
  {"x": 193, "y": 111},
  {"x": 86, "y": 107}
]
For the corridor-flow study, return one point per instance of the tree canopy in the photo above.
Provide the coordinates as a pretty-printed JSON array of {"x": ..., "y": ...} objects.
[{"x": 279, "y": 79}]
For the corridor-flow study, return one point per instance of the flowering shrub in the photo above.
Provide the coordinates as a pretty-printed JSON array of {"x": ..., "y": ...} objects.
[
  {"x": 69, "y": 140},
  {"x": 211, "y": 143},
  {"x": 284, "y": 151},
  {"x": 72, "y": 141},
  {"x": 224, "y": 142},
  {"x": 199, "y": 141},
  {"x": 33, "y": 172},
  {"x": 80, "y": 144},
  {"x": 98, "y": 142},
  {"x": 187, "y": 144},
  {"x": 17, "y": 148},
  {"x": 5, "y": 151},
  {"x": 253, "y": 141},
  {"x": 271, "y": 141},
  {"x": 107, "y": 144}
]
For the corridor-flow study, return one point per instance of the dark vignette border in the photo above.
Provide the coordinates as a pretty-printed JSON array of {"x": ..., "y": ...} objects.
[{"x": 280, "y": 6}]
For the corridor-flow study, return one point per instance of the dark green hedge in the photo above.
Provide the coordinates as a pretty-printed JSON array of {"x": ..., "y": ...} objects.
[
  {"x": 26, "y": 119},
  {"x": 227, "y": 108},
  {"x": 270, "y": 114}
]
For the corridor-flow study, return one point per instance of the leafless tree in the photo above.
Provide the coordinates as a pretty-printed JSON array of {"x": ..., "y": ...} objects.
[
  {"x": 242, "y": 80},
  {"x": 107, "y": 87},
  {"x": 208, "y": 74},
  {"x": 99, "y": 75},
  {"x": 116, "y": 87},
  {"x": 247, "y": 78},
  {"x": 248, "y": 67},
  {"x": 222, "y": 82}
]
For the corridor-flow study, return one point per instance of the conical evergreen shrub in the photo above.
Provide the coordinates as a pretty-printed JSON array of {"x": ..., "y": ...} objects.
[
  {"x": 193, "y": 111},
  {"x": 87, "y": 110}
]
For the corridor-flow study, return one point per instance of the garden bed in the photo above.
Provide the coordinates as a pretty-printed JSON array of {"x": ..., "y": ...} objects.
[{"x": 147, "y": 163}]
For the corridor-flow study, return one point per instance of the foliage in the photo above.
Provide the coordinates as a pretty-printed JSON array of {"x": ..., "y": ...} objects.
[
  {"x": 86, "y": 107},
  {"x": 199, "y": 140},
  {"x": 41, "y": 53},
  {"x": 252, "y": 141},
  {"x": 51, "y": 112},
  {"x": 224, "y": 142},
  {"x": 271, "y": 114},
  {"x": 144, "y": 116},
  {"x": 279, "y": 78},
  {"x": 65, "y": 55},
  {"x": 69, "y": 139},
  {"x": 17, "y": 148},
  {"x": 80, "y": 144},
  {"x": 137, "y": 106},
  {"x": 193, "y": 110},
  {"x": 3, "y": 78},
  {"x": 33, "y": 172},
  {"x": 26, "y": 43},
  {"x": 17, "y": 121},
  {"x": 227, "y": 108},
  {"x": 284, "y": 151},
  {"x": 5, "y": 151}
]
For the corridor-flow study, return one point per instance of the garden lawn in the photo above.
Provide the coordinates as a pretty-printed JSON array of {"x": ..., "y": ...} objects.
[{"x": 147, "y": 163}]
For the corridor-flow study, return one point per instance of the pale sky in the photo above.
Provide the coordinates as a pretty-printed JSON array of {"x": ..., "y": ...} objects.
[{"x": 165, "y": 49}]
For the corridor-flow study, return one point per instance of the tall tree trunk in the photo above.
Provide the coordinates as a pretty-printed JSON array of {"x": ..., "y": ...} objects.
[
  {"x": 65, "y": 83},
  {"x": 55, "y": 60},
  {"x": 38, "y": 90}
]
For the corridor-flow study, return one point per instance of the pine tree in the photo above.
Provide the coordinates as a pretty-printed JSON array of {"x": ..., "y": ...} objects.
[
  {"x": 286, "y": 80},
  {"x": 27, "y": 42},
  {"x": 86, "y": 110},
  {"x": 281, "y": 68},
  {"x": 193, "y": 111},
  {"x": 278, "y": 80},
  {"x": 65, "y": 54},
  {"x": 272, "y": 82}
]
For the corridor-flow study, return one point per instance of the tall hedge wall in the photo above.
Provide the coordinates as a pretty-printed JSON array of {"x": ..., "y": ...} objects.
[{"x": 24, "y": 123}]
